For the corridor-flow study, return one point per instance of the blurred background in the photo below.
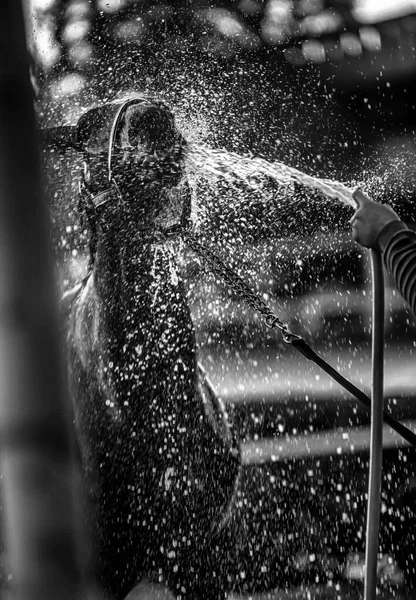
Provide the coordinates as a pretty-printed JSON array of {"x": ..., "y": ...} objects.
[
  {"x": 325, "y": 86},
  {"x": 321, "y": 85}
]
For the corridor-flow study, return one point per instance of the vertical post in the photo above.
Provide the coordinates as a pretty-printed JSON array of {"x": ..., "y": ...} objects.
[{"x": 38, "y": 472}]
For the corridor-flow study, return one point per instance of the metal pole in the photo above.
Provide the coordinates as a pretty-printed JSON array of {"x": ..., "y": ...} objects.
[{"x": 38, "y": 471}]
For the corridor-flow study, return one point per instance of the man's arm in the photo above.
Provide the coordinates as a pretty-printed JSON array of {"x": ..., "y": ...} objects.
[{"x": 378, "y": 226}]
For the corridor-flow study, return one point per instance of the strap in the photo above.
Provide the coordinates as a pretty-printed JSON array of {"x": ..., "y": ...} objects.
[{"x": 304, "y": 348}]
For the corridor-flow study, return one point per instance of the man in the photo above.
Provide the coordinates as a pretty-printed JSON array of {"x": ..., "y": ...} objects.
[{"x": 378, "y": 226}]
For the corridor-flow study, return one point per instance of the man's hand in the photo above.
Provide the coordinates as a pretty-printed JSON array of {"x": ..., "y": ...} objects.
[{"x": 370, "y": 218}]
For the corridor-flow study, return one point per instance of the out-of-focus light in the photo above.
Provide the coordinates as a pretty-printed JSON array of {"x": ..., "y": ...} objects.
[
  {"x": 325, "y": 22},
  {"x": 70, "y": 84},
  {"x": 216, "y": 16},
  {"x": 373, "y": 11},
  {"x": 111, "y": 6},
  {"x": 278, "y": 10},
  {"x": 228, "y": 25},
  {"x": 350, "y": 44},
  {"x": 46, "y": 47},
  {"x": 276, "y": 25},
  {"x": 81, "y": 53},
  {"x": 42, "y": 4},
  {"x": 130, "y": 31},
  {"x": 78, "y": 9},
  {"x": 314, "y": 51},
  {"x": 75, "y": 31},
  {"x": 273, "y": 33},
  {"x": 370, "y": 38}
]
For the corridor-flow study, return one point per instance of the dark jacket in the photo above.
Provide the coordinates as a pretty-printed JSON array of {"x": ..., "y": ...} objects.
[{"x": 398, "y": 245}]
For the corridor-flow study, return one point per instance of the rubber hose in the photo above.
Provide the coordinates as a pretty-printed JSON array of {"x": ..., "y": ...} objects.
[{"x": 376, "y": 435}]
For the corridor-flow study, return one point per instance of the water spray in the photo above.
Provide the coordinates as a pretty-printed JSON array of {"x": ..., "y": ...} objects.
[{"x": 69, "y": 137}]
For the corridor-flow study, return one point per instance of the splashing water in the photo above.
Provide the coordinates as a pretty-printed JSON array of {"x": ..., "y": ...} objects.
[{"x": 232, "y": 167}]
